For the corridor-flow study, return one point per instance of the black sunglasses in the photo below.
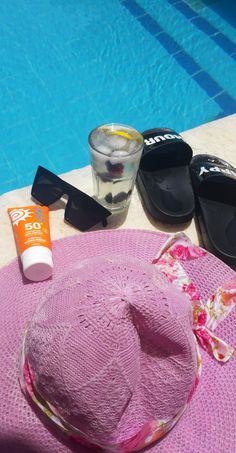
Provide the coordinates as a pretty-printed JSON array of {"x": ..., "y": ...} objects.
[{"x": 81, "y": 211}]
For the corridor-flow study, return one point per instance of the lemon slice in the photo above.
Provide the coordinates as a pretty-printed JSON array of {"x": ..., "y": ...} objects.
[
  {"x": 135, "y": 136},
  {"x": 123, "y": 134}
]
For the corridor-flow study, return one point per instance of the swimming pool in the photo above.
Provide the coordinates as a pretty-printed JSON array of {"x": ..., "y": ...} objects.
[{"x": 67, "y": 66}]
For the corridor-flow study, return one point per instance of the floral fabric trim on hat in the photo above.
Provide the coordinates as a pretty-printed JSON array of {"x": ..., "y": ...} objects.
[{"x": 205, "y": 319}]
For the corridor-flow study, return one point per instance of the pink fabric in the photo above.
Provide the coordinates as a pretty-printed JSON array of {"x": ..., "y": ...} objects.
[
  {"x": 111, "y": 348},
  {"x": 212, "y": 406},
  {"x": 206, "y": 317}
]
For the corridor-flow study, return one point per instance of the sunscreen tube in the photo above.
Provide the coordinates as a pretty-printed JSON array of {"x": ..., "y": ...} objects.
[{"x": 32, "y": 235}]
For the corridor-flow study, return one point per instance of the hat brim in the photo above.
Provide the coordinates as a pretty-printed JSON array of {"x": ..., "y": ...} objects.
[{"x": 209, "y": 423}]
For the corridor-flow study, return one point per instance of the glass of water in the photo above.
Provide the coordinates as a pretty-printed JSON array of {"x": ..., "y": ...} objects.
[{"x": 115, "y": 155}]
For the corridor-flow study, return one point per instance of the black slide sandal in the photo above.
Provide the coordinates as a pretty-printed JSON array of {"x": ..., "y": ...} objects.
[
  {"x": 214, "y": 182},
  {"x": 163, "y": 179}
]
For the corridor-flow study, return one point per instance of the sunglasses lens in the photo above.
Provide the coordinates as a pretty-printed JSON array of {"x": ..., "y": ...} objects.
[
  {"x": 45, "y": 190},
  {"x": 84, "y": 212}
]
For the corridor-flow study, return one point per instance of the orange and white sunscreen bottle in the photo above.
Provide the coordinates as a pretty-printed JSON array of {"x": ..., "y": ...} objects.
[{"x": 32, "y": 235}]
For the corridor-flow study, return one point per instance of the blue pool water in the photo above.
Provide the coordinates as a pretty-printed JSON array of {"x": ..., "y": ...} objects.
[{"x": 69, "y": 65}]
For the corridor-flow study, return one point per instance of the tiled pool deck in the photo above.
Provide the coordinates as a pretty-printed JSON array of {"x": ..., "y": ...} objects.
[{"x": 220, "y": 137}]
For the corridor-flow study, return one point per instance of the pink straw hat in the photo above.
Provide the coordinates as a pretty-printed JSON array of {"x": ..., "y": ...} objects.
[{"x": 109, "y": 349}]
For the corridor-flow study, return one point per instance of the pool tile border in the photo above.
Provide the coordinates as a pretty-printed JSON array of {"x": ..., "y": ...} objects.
[
  {"x": 206, "y": 27},
  {"x": 226, "y": 102}
]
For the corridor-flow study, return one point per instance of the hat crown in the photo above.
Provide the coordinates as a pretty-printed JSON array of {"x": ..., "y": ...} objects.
[{"x": 105, "y": 338}]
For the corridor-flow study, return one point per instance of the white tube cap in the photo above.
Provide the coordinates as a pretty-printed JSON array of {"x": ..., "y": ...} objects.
[{"x": 37, "y": 263}]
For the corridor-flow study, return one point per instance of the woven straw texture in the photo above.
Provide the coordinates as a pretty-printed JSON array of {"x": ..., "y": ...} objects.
[
  {"x": 208, "y": 425},
  {"x": 111, "y": 347}
]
